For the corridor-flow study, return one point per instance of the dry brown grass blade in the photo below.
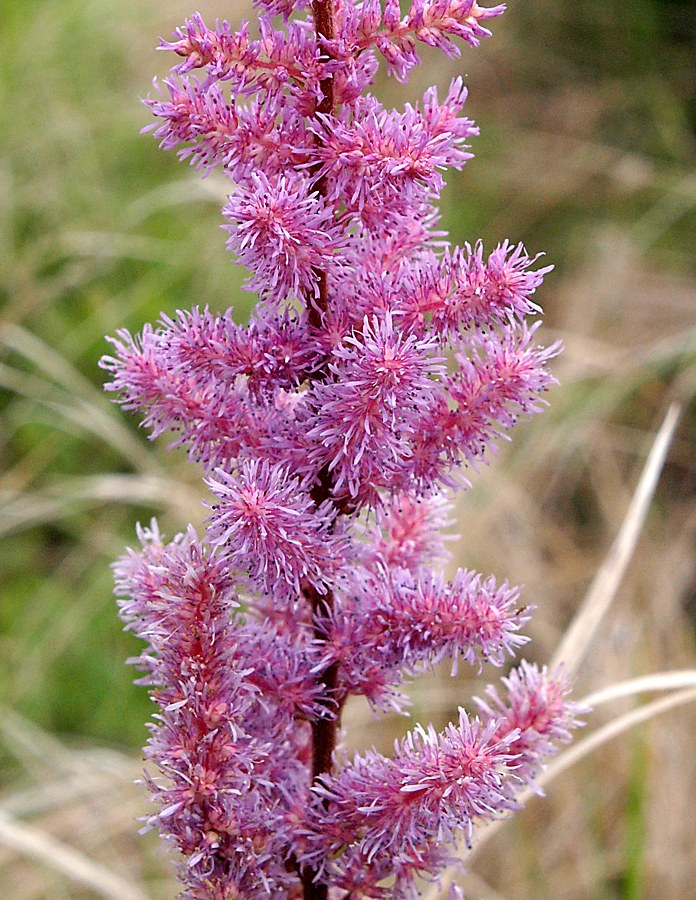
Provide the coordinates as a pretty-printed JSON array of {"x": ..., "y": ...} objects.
[
  {"x": 658, "y": 681},
  {"x": 74, "y": 776},
  {"x": 44, "y": 848},
  {"x": 578, "y": 637},
  {"x": 612, "y": 729},
  {"x": 24, "y": 510}
]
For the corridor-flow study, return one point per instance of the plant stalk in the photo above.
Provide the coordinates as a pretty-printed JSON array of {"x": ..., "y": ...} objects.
[{"x": 324, "y": 729}]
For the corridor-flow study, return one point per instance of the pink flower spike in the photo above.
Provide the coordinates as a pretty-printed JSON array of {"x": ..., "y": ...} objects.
[
  {"x": 461, "y": 290},
  {"x": 179, "y": 599},
  {"x": 378, "y": 363}
]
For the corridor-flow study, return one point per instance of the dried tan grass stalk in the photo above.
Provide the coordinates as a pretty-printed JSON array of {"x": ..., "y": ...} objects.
[
  {"x": 578, "y": 637},
  {"x": 30, "y": 841}
]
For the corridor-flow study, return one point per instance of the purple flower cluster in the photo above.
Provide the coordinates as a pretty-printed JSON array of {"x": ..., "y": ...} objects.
[{"x": 378, "y": 362}]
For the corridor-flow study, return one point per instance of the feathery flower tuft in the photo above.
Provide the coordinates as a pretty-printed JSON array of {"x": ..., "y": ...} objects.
[
  {"x": 393, "y": 816},
  {"x": 270, "y": 526},
  {"x": 396, "y": 623},
  {"x": 285, "y": 233},
  {"x": 383, "y": 382},
  {"x": 536, "y": 709},
  {"x": 180, "y": 600},
  {"x": 408, "y": 532}
]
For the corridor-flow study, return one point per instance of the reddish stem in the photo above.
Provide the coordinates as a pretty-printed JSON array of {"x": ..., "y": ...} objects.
[
  {"x": 323, "y": 11},
  {"x": 325, "y": 25},
  {"x": 324, "y": 729}
]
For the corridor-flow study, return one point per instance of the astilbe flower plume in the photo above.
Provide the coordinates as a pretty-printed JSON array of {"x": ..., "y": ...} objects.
[{"x": 378, "y": 367}]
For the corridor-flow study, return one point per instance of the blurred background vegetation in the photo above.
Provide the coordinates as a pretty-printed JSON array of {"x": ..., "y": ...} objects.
[{"x": 588, "y": 141}]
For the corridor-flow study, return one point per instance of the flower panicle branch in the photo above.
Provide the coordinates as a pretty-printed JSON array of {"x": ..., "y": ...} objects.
[{"x": 378, "y": 369}]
